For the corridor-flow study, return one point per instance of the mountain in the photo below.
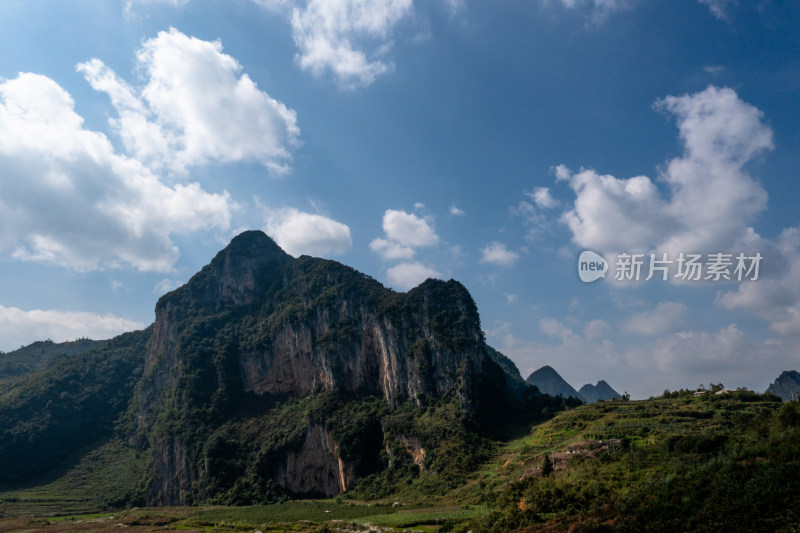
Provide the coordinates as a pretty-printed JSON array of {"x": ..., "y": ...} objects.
[
  {"x": 548, "y": 381},
  {"x": 266, "y": 376},
  {"x": 787, "y": 386},
  {"x": 601, "y": 391},
  {"x": 41, "y": 354}
]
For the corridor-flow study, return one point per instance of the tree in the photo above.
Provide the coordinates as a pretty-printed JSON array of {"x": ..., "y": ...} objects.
[{"x": 547, "y": 466}]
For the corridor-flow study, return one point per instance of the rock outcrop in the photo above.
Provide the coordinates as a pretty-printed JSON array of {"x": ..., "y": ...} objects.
[
  {"x": 256, "y": 321},
  {"x": 787, "y": 386}
]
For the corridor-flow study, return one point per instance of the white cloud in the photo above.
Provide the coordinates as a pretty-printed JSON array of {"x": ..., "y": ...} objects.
[
  {"x": 775, "y": 296},
  {"x": 666, "y": 317},
  {"x": 391, "y": 250},
  {"x": 196, "y": 106},
  {"x": 456, "y": 211},
  {"x": 497, "y": 253},
  {"x": 596, "y": 330},
  {"x": 719, "y": 8},
  {"x": 347, "y": 38},
  {"x": 408, "y": 275},
  {"x": 298, "y": 232},
  {"x": 510, "y": 298},
  {"x": 19, "y": 327},
  {"x": 542, "y": 198},
  {"x": 408, "y": 229},
  {"x": 712, "y": 198},
  {"x": 166, "y": 285},
  {"x": 682, "y": 359},
  {"x": 599, "y": 9},
  {"x": 70, "y": 199}
]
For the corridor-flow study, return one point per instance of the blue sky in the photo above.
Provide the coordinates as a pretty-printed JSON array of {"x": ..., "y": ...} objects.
[{"x": 490, "y": 142}]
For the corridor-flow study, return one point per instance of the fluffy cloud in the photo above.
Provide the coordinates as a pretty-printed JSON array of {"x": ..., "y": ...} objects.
[
  {"x": 196, "y": 106},
  {"x": 17, "y": 326},
  {"x": 542, "y": 198},
  {"x": 298, "y": 233},
  {"x": 408, "y": 275},
  {"x": 456, "y": 211},
  {"x": 497, "y": 253},
  {"x": 70, "y": 199},
  {"x": 775, "y": 297},
  {"x": 332, "y": 35},
  {"x": 712, "y": 198},
  {"x": 666, "y": 317},
  {"x": 391, "y": 250},
  {"x": 408, "y": 229}
]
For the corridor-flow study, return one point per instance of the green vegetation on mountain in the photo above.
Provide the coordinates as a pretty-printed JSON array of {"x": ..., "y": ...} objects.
[
  {"x": 47, "y": 415},
  {"x": 267, "y": 378},
  {"x": 41, "y": 354}
]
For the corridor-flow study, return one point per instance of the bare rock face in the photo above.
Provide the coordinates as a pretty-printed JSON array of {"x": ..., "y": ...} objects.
[
  {"x": 257, "y": 321},
  {"x": 316, "y": 468}
]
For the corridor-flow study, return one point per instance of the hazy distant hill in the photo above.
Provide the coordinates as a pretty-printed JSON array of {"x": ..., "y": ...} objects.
[
  {"x": 787, "y": 386},
  {"x": 548, "y": 381},
  {"x": 601, "y": 391},
  {"x": 41, "y": 354}
]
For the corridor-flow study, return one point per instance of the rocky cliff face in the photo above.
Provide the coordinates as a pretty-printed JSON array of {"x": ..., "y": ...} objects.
[
  {"x": 256, "y": 321},
  {"x": 787, "y": 386}
]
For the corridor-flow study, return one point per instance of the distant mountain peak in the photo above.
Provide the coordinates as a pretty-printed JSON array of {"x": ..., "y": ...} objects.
[
  {"x": 787, "y": 386},
  {"x": 548, "y": 381},
  {"x": 601, "y": 391}
]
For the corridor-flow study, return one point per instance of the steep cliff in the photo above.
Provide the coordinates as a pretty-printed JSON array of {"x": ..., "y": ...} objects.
[{"x": 256, "y": 325}]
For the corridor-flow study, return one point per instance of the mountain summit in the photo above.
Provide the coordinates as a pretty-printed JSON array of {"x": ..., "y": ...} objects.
[
  {"x": 267, "y": 376},
  {"x": 601, "y": 391},
  {"x": 548, "y": 381},
  {"x": 258, "y": 324}
]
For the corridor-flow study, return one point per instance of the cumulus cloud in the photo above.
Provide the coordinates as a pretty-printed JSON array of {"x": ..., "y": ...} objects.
[
  {"x": 408, "y": 229},
  {"x": 19, "y": 327},
  {"x": 712, "y": 198},
  {"x": 456, "y": 211},
  {"x": 775, "y": 297},
  {"x": 497, "y": 253},
  {"x": 347, "y": 38},
  {"x": 299, "y": 233},
  {"x": 391, "y": 250},
  {"x": 196, "y": 106},
  {"x": 70, "y": 199},
  {"x": 666, "y": 317},
  {"x": 542, "y": 198},
  {"x": 408, "y": 275}
]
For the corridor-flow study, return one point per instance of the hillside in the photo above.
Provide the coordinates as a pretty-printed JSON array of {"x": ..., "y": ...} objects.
[
  {"x": 41, "y": 354},
  {"x": 672, "y": 463}
]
